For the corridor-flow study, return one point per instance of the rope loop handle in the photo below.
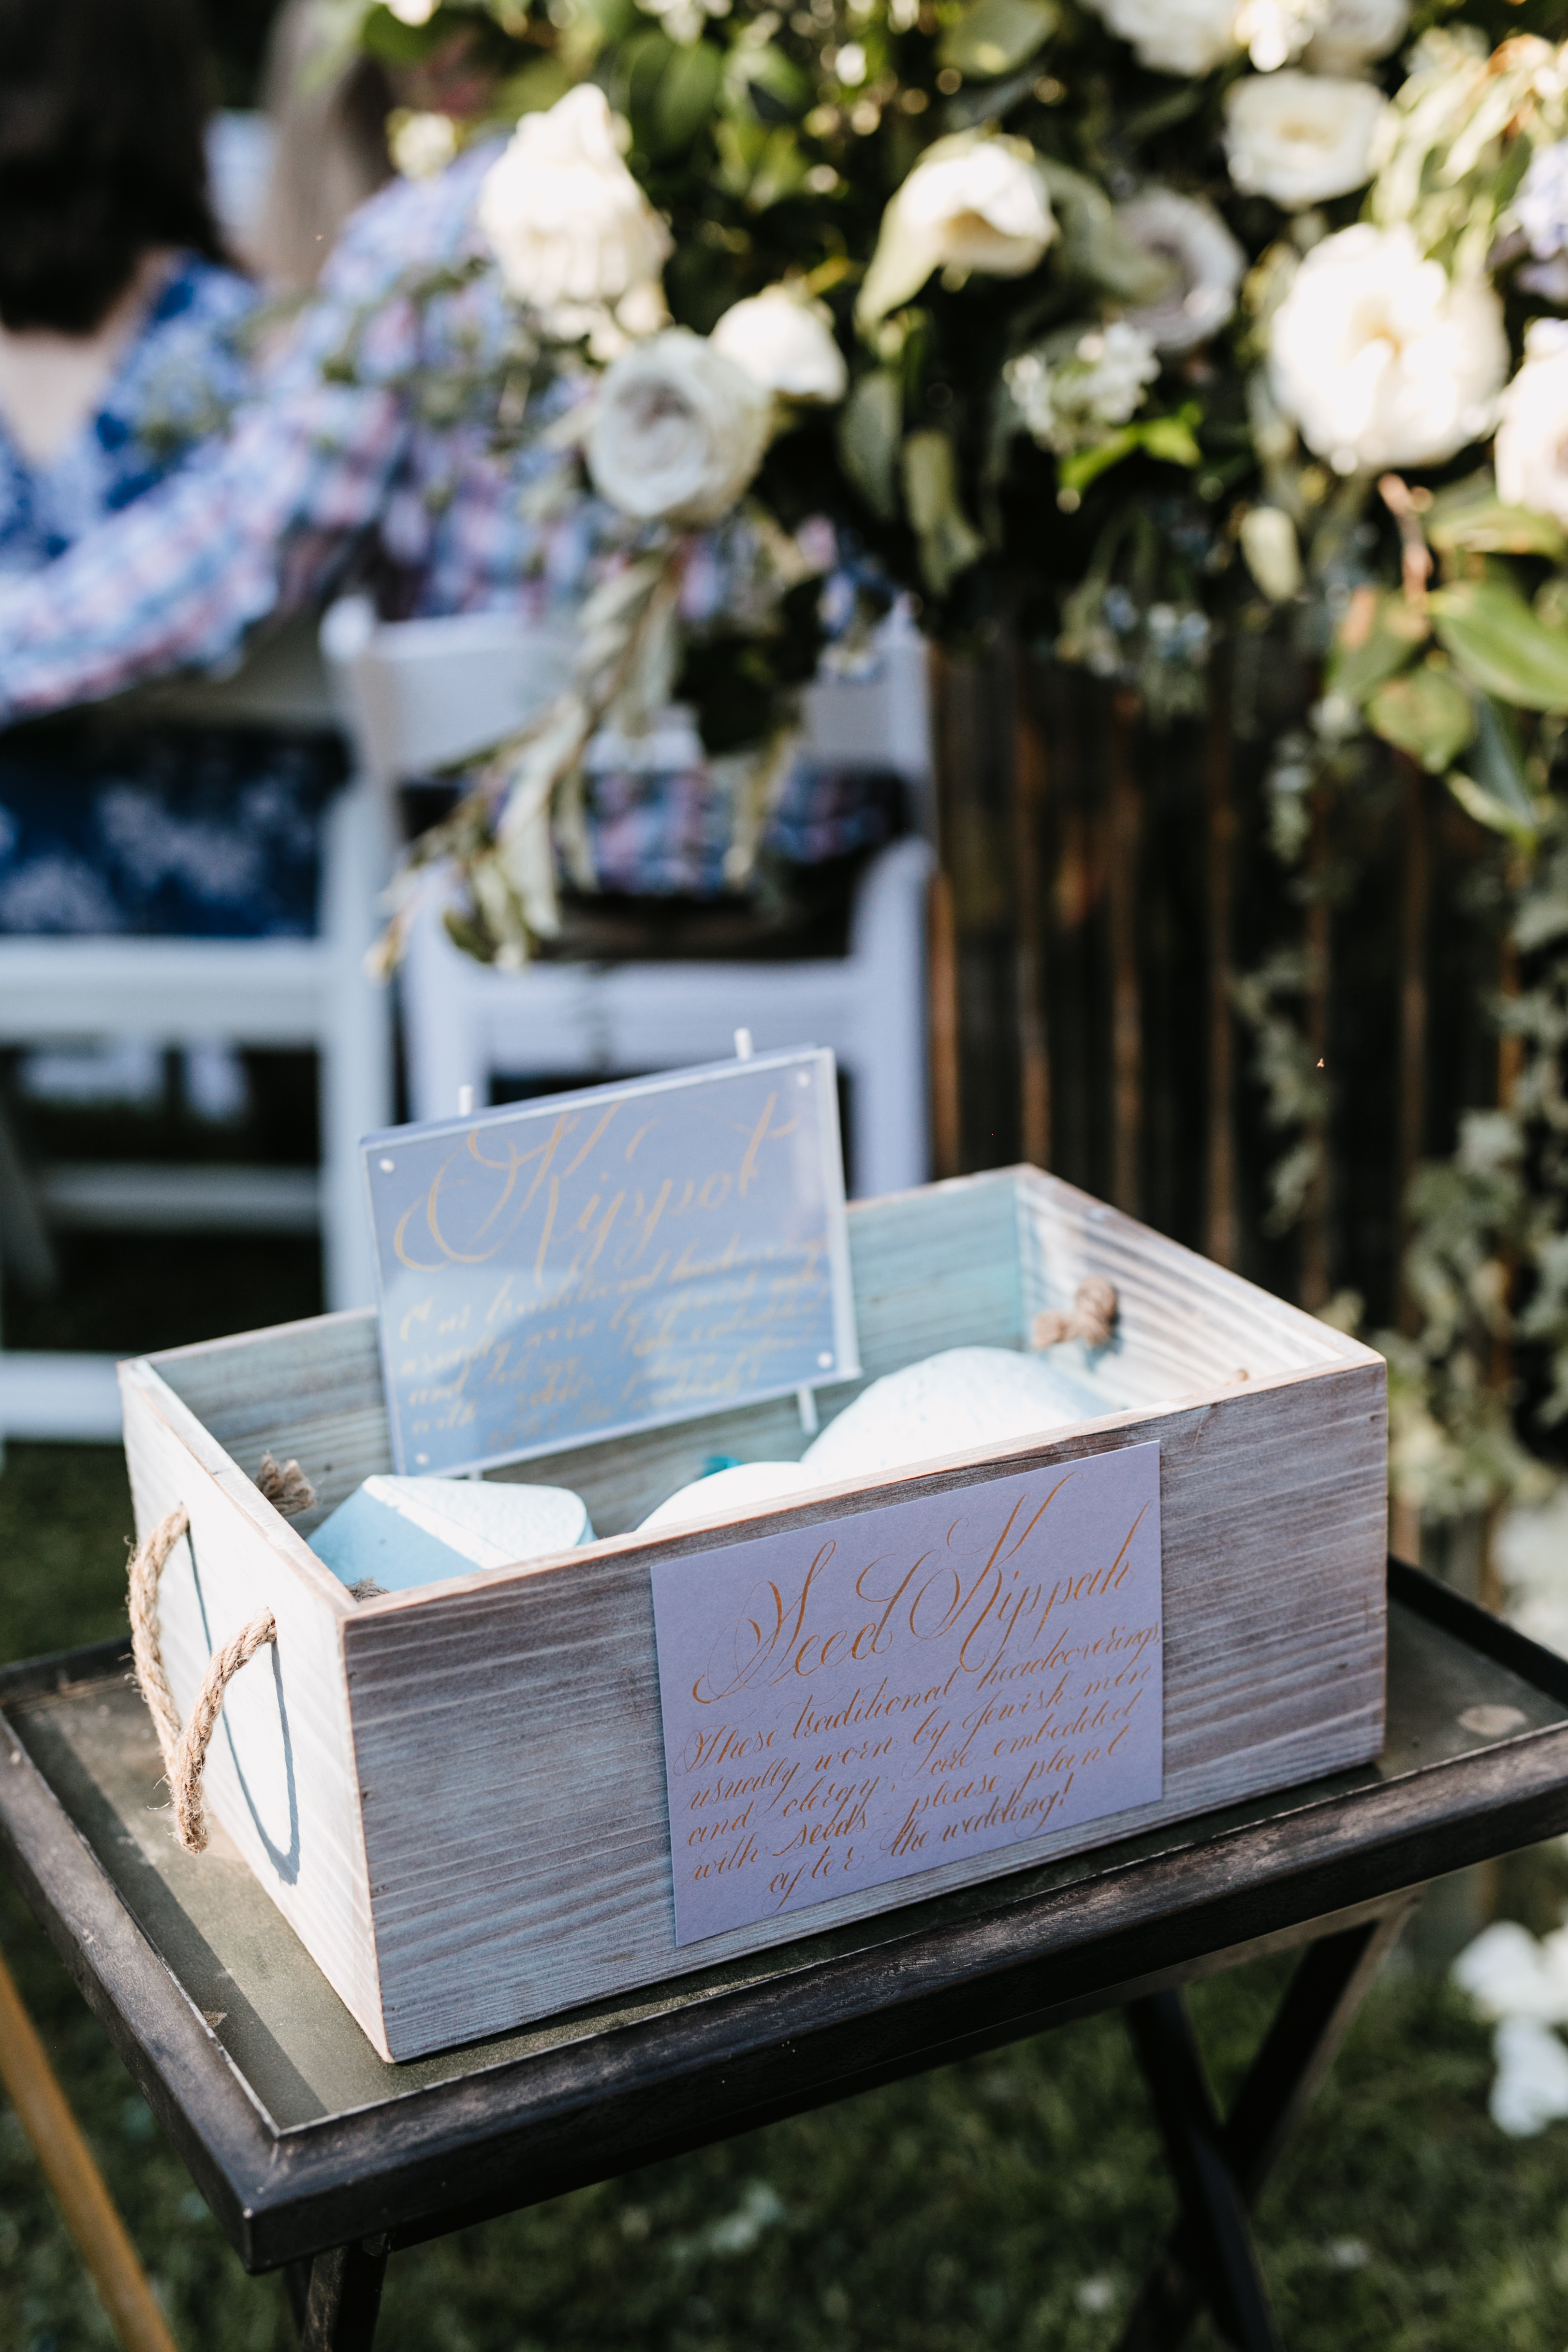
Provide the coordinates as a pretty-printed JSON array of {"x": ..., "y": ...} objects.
[
  {"x": 1093, "y": 1320},
  {"x": 185, "y": 1747}
]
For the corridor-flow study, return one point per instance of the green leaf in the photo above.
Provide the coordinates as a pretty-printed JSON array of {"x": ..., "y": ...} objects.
[
  {"x": 870, "y": 425},
  {"x": 1427, "y": 713},
  {"x": 1497, "y": 794},
  {"x": 993, "y": 36},
  {"x": 1094, "y": 245},
  {"x": 532, "y": 88},
  {"x": 1171, "y": 439},
  {"x": 1501, "y": 646},
  {"x": 768, "y": 81},
  {"x": 687, "y": 91},
  {"x": 1472, "y": 517},
  {"x": 949, "y": 540},
  {"x": 1491, "y": 528},
  {"x": 1356, "y": 669}
]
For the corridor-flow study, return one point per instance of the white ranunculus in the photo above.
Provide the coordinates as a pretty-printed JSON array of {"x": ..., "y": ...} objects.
[
  {"x": 1300, "y": 138},
  {"x": 1206, "y": 262},
  {"x": 566, "y": 221},
  {"x": 1533, "y": 440},
  {"x": 1355, "y": 32},
  {"x": 679, "y": 430},
  {"x": 785, "y": 342},
  {"x": 1175, "y": 37},
  {"x": 971, "y": 204},
  {"x": 1381, "y": 358}
]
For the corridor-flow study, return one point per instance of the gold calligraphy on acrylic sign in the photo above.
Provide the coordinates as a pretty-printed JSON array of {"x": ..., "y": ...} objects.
[
  {"x": 604, "y": 1261},
  {"x": 854, "y": 1702}
]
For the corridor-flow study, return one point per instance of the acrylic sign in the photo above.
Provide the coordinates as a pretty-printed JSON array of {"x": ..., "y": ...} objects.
[
  {"x": 877, "y": 1694},
  {"x": 600, "y": 1261}
]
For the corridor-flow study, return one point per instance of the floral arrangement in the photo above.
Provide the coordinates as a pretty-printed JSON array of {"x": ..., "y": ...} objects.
[{"x": 1149, "y": 325}]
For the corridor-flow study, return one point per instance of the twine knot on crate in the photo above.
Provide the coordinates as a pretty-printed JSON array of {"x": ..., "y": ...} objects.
[
  {"x": 286, "y": 1489},
  {"x": 1092, "y": 1319},
  {"x": 185, "y": 1746}
]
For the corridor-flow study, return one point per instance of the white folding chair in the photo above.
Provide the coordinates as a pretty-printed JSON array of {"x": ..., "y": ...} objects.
[
  {"x": 419, "y": 695},
  {"x": 262, "y": 992}
]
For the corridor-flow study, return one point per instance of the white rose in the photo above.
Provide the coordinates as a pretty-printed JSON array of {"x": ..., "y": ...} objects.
[
  {"x": 1354, "y": 32},
  {"x": 970, "y": 204},
  {"x": 1300, "y": 138},
  {"x": 679, "y": 430},
  {"x": 785, "y": 342},
  {"x": 1175, "y": 37},
  {"x": 1381, "y": 358},
  {"x": 1272, "y": 32},
  {"x": 1206, "y": 262},
  {"x": 1532, "y": 439},
  {"x": 421, "y": 144},
  {"x": 566, "y": 221}
]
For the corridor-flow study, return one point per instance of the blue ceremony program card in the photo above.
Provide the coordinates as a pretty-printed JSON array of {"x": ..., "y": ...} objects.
[{"x": 601, "y": 1262}]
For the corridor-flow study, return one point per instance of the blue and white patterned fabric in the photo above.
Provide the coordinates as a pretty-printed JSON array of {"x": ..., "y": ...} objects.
[
  {"x": 210, "y": 832},
  {"x": 332, "y": 472},
  {"x": 177, "y": 383}
]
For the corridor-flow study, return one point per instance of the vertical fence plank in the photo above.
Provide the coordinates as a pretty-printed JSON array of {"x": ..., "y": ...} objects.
[
  {"x": 946, "y": 1100},
  {"x": 1126, "y": 991},
  {"x": 1030, "y": 782},
  {"x": 1414, "y": 913},
  {"x": 1221, "y": 1239}
]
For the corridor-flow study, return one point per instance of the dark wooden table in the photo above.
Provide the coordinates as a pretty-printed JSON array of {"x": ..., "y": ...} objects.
[{"x": 319, "y": 2158}]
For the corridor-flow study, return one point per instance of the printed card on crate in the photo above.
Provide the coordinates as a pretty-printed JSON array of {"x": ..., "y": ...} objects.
[
  {"x": 607, "y": 1261},
  {"x": 851, "y": 1703}
]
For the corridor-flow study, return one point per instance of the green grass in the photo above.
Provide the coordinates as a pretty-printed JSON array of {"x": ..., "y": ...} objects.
[{"x": 1010, "y": 2203}]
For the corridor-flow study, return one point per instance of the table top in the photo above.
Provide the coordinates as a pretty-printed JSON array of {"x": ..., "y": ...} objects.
[{"x": 302, "y": 2137}]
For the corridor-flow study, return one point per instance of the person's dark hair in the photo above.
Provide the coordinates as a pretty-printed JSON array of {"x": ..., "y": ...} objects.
[{"x": 102, "y": 106}]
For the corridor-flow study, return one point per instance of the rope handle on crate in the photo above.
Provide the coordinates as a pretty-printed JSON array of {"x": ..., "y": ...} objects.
[
  {"x": 185, "y": 1746},
  {"x": 1092, "y": 1319}
]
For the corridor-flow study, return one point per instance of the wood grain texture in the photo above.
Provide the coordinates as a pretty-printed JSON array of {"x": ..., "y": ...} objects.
[
  {"x": 279, "y": 1773},
  {"x": 507, "y": 1760}
]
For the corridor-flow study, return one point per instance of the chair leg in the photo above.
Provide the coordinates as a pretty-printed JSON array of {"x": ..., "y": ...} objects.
[
  {"x": 356, "y": 1095},
  {"x": 890, "y": 1072}
]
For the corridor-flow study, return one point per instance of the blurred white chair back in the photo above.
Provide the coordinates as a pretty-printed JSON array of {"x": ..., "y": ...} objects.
[
  {"x": 424, "y": 694},
  {"x": 282, "y": 992}
]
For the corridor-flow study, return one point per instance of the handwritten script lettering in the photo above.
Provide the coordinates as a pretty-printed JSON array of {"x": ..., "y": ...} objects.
[
  {"x": 853, "y": 1702},
  {"x": 604, "y": 1261}
]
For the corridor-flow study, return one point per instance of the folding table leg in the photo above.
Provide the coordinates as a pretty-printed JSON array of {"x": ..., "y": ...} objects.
[
  {"x": 1217, "y": 2239},
  {"x": 1318, "y": 2008},
  {"x": 343, "y": 2298}
]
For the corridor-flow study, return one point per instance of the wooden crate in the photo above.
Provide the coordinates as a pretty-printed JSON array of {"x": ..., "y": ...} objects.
[{"x": 392, "y": 1769}]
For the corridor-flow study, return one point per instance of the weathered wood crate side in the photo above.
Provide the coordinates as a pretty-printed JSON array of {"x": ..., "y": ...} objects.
[
  {"x": 515, "y": 1817},
  {"x": 280, "y": 1770},
  {"x": 500, "y": 1784}
]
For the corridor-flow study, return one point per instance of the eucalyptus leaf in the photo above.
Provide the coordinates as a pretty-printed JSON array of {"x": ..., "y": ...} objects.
[
  {"x": 869, "y": 425},
  {"x": 1501, "y": 646},
  {"x": 1427, "y": 713},
  {"x": 994, "y": 36}
]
